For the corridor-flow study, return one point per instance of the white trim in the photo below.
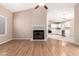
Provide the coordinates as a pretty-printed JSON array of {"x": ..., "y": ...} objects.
[
  {"x": 5, "y": 41},
  {"x": 5, "y": 26},
  {"x": 22, "y": 38},
  {"x": 31, "y": 39},
  {"x": 73, "y": 42},
  {"x": 39, "y": 40},
  {"x": 47, "y": 25}
]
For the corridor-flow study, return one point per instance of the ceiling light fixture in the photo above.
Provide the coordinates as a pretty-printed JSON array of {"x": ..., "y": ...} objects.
[{"x": 41, "y": 5}]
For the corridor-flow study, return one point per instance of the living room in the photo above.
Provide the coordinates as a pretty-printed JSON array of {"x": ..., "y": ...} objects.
[{"x": 39, "y": 29}]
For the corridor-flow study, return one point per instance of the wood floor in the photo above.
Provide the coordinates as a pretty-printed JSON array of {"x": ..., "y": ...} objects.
[{"x": 51, "y": 47}]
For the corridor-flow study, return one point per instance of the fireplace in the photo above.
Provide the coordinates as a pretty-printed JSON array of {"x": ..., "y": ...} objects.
[{"x": 38, "y": 34}]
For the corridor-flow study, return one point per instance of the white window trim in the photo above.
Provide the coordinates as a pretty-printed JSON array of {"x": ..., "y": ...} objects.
[{"x": 5, "y": 26}]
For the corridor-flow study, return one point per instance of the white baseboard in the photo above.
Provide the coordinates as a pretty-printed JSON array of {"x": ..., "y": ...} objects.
[
  {"x": 28, "y": 39},
  {"x": 39, "y": 40},
  {"x": 75, "y": 43},
  {"x": 5, "y": 41},
  {"x": 22, "y": 38}
]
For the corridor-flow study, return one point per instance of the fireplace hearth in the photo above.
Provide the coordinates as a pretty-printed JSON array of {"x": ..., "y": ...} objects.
[{"x": 38, "y": 34}]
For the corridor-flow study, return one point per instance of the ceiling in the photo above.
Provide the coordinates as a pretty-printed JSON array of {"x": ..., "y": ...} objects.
[
  {"x": 56, "y": 11},
  {"x": 15, "y": 7},
  {"x": 60, "y": 11}
]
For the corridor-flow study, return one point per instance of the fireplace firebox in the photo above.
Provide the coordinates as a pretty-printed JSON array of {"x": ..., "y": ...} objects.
[{"x": 38, "y": 34}]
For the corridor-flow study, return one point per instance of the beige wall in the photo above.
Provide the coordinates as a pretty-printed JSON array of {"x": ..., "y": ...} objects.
[
  {"x": 39, "y": 16},
  {"x": 22, "y": 26},
  {"x": 8, "y": 14},
  {"x": 24, "y": 20},
  {"x": 76, "y": 24}
]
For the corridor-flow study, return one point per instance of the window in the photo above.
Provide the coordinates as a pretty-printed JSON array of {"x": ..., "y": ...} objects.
[{"x": 3, "y": 25}]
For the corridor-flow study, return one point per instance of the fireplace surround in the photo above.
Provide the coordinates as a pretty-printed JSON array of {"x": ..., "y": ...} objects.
[{"x": 38, "y": 34}]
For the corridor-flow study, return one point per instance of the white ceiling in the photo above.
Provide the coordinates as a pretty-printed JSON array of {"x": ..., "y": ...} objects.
[
  {"x": 58, "y": 11},
  {"x": 15, "y": 7},
  {"x": 55, "y": 10}
]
